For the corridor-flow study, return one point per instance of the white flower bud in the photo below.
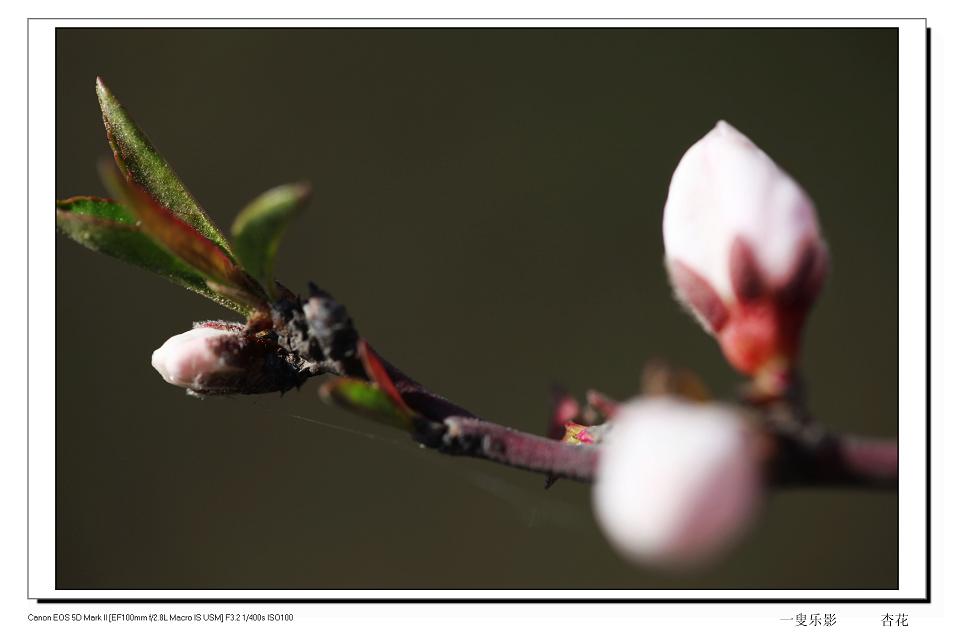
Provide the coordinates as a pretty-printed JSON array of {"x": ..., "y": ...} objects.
[
  {"x": 190, "y": 359},
  {"x": 743, "y": 248},
  {"x": 217, "y": 358},
  {"x": 678, "y": 481}
]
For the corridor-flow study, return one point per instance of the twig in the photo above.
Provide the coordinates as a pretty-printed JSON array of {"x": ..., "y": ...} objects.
[
  {"x": 817, "y": 458},
  {"x": 320, "y": 331}
]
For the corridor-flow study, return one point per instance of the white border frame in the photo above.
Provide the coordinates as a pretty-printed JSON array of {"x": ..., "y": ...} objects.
[{"x": 913, "y": 548}]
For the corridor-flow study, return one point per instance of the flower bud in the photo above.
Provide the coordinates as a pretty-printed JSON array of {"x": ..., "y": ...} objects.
[
  {"x": 743, "y": 250},
  {"x": 216, "y": 358},
  {"x": 678, "y": 481}
]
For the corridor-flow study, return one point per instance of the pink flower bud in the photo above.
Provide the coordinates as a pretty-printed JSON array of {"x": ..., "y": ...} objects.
[
  {"x": 743, "y": 249},
  {"x": 678, "y": 481},
  {"x": 218, "y": 358},
  {"x": 191, "y": 359}
]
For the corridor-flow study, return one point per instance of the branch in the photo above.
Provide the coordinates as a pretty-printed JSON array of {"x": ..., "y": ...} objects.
[
  {"x": 320, "y": 331},
  {"x": 816, "y": 458}
]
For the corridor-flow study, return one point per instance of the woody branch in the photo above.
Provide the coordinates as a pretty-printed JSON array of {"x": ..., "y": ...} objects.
[{"x": 321, "y": 332}]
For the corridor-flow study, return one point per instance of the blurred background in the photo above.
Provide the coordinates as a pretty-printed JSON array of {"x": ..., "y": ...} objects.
[{"x": 488, "y": 205}]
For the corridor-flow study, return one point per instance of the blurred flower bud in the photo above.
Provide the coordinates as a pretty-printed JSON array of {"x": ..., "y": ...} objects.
[
  {"x": 579, "y": 434},
  {"x": 743, "y": 250},
  {"x": 678, "y": 481},
  {"x": 216, "y": 358}
]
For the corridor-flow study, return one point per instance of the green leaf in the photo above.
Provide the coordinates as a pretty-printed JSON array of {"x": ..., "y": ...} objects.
[
  {"x": 366, "y": 399},
  {"x": 259, "y": 227},
  {"x": 107, "y": 227},
  {"x": 182, "y": 240},
  {"x": 143, "y": 165},
  {"x": 97, "y": 207}
]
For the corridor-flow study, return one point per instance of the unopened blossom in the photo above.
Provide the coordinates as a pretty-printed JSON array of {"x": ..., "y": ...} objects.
[
  {"x": 678, "y": 482},
  {"x": 743, "y": 250},
  {"x": 578, "y": 434},
  {"x": 217, "y": 358}
]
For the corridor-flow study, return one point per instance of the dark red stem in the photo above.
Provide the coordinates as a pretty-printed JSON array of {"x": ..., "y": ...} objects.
[{"x": 320, "y": 331}]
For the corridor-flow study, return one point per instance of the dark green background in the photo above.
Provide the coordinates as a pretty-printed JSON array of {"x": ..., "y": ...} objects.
[{"x": 488, "y": 204}]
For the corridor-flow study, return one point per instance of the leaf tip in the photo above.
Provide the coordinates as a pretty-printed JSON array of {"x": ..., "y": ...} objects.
[
  {"x": 303, "y": 191},
  {"x": 103, "y": 92}
]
